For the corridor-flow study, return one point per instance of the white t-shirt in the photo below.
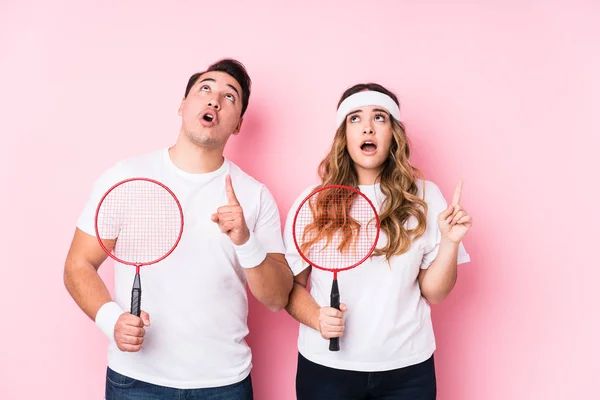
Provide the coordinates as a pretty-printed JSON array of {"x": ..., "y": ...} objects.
[
  {"x": 388, "y": 323},
  {"x": 196, "y": 297}
]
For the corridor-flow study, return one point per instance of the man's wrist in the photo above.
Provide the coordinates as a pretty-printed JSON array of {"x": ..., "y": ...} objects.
[
  {"x": 250, "y": 254},
  {"x": 107, "y": 317}
]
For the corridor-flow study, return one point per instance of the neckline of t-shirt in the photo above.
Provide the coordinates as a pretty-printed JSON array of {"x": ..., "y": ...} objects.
[
  {"x": 374, "y": 186},
  {"x": 191, "y": 176},
  {"x": 377, "y": 186}
]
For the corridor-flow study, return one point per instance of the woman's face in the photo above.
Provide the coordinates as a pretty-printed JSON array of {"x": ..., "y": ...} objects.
[{"x": 368, "y": 140}]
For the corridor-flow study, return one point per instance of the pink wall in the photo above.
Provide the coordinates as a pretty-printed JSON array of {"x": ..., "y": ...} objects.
[{"x": 499, "y": 93}]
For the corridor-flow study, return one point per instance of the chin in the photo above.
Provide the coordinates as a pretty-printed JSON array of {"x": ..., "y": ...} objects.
[
  {"x": 370, "y": 164},
  {"x": 204, "y": 141}
]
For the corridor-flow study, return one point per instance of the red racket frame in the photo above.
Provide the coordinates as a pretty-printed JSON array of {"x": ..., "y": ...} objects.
[{"x": 137, "y": 290}]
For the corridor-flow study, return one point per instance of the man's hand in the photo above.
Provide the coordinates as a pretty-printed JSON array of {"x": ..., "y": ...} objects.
[
  {"x": 129, "y": 331},
  {"x": 231, "y": 217}
]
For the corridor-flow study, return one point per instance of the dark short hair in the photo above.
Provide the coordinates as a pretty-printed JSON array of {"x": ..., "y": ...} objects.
[{"x": 233, "y": 68}]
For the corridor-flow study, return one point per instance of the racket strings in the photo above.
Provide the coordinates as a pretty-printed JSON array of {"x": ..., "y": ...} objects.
[
  {"x": 337, "y": 228},
  {"x": 143, "y": 217}
]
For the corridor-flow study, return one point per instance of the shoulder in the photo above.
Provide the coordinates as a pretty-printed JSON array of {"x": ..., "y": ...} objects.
[
  {"x": 301, "y": 197},
  {"x": 304, "y": 194},
  {"x": 249, "y": 189},
  {"x": 425, "y": 186},
  {"x": 241, "y": 177},
  {"x": 139, "y": 163},
  {"x": 427, "y": 189},
  {"x": 431, "y": 193},
  {"x": 126, "y": 168}
]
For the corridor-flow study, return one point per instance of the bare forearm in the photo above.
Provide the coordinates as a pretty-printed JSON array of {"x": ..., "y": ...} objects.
[
  {"x": 439, "y": 279},
  {"x": 86, "y": 287},
  {"x": 271, "y": 283},
  {"x": 302, "y": 307}
]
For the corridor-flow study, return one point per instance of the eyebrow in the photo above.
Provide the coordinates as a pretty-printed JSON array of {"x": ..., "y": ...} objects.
[
  {"x": 381, "y": 110},
  {"x": 374, "y": 110},
  {"x": 212, "y": 80}
]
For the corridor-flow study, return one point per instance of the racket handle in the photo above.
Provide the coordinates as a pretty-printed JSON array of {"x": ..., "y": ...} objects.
[
  {"x": 334, "y": 343},
  {"x": 136, "y": 296}
]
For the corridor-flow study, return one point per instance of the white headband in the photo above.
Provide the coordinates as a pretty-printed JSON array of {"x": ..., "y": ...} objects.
[{"x": 368, "y": 98}]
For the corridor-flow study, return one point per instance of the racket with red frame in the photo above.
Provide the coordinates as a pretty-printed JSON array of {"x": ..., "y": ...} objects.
[
  {"x": 146, "y": 219},
  {"x": 335, "y": 229}
]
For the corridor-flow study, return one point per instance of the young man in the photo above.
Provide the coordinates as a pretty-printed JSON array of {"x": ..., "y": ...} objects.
[{"x": 189, "y": 338}]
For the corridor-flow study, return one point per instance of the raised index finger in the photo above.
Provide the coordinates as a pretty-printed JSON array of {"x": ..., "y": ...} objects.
[
  {"x": 457, "y": 193},
  {"x": 231, "y": 198}
]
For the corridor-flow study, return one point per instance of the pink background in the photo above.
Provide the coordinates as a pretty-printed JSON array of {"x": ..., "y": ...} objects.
[{"x": 499, "y": 93}]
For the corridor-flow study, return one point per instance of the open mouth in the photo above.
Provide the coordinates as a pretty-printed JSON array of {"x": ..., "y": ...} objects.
[
  {"x": 209, "y": 118},
  {"x": 368, "y": 147}
]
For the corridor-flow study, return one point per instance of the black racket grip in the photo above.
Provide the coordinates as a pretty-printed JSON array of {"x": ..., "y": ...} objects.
[
  {"x": 136, "y": 296},
  {"x": 334, "y": 343}
]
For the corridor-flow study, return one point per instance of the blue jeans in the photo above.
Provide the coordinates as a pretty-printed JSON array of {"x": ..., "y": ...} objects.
[
  {"x": 121, "y": 387},
  {"x": 317, "y": 382}
]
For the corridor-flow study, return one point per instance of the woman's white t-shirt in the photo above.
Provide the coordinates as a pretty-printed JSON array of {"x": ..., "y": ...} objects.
[{"x": 388, "y": 322}]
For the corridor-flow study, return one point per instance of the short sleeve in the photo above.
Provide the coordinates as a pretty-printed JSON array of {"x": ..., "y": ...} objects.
[
  {"x": 435, "y": 205},
  {"x": 105, "y": 181},
  {"x": 268, "y": 225},
  {"x": 295, "y": 261}
]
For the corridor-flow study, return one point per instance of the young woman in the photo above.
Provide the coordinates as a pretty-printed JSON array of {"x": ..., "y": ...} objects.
[{"x": 384, "y": 324}]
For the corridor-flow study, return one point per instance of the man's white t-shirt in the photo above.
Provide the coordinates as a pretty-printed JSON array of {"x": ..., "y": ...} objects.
[
  {"x": 388, "y": 322},
  {"x": 196, "y": 297}
]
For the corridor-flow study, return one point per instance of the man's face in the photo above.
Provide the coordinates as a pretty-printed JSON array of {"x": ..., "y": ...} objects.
[{"x": 211, "y": 111}]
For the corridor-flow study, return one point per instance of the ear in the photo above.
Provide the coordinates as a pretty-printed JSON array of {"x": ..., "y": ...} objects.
[
  {"x": 180, "y": 110},
  {"x": 238, "y": 127}
]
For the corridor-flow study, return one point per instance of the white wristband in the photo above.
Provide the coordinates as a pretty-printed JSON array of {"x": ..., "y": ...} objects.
[
  {"x": 107, "y": 317},
  {"x": 251, "y": 253}
]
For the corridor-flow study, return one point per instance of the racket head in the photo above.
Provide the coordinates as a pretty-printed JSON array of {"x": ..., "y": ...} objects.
[
  {"x": 350, "y": 226},
  {"x": 144, "y": 216}
]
